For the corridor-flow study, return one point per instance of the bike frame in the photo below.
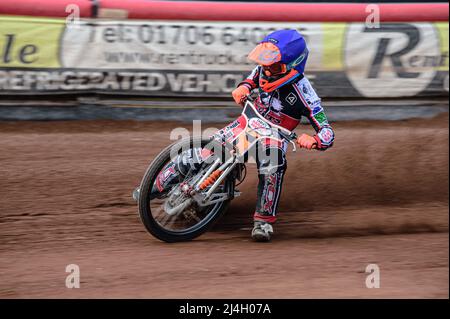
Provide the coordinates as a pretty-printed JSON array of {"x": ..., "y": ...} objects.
[{"x": 252, "y": 128}]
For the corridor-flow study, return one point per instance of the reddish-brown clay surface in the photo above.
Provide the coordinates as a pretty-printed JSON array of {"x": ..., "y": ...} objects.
[{"x": 380, "y": 195}]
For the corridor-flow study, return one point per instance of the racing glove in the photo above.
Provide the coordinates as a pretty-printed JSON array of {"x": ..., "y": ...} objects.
[
  {"x": 306, "y": 141},
  {"x": 240, "y": 93}
]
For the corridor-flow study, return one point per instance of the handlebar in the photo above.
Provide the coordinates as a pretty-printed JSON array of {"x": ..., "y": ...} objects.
[{"x": 249, "y": 98}]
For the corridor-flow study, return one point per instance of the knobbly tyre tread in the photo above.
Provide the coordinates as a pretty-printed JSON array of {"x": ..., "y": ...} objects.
[{"x": 144, "y": 208}]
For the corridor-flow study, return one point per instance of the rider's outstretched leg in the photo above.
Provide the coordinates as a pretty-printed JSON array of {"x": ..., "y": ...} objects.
[
  {"x": 172, "y": 173},
  {"x": 192, "y": 159}
]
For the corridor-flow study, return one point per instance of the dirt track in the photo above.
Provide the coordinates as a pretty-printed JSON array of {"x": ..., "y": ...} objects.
[{"x": 379, "y": 196}]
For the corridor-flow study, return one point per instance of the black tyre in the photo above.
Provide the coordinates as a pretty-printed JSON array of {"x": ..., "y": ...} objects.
[{"x": 209, "y": 215}]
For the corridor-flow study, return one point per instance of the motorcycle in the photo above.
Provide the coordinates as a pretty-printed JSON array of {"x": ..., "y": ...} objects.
[{"x": 199, "y": 196}]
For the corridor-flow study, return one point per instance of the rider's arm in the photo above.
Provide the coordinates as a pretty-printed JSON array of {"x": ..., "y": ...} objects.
[
  {"x": 324, "y": 132},
  {"x": 252, "y": 80},
  {"x": 246, "y": 86},
  {"x": 311, "y": 107}
]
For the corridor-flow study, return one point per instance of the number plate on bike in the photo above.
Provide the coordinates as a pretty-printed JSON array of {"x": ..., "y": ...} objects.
[{"x": 260, "y": 126}]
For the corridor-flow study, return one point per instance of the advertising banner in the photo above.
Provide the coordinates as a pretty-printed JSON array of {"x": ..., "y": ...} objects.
[{"x": 194, "y": 58}]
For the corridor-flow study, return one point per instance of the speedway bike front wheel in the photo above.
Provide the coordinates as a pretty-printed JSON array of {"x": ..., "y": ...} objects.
[{"x": 174, "y": 215}]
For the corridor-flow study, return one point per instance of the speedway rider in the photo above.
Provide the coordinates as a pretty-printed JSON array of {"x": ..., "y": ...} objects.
[{"x": 285, "y": 95}]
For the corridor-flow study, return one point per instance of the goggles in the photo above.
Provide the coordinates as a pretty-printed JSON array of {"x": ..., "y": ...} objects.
[{"x": 274, "y": 69}]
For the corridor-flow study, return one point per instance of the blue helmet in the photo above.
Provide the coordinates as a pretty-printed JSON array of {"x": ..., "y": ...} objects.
[{"x": 282, "y": 51}]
